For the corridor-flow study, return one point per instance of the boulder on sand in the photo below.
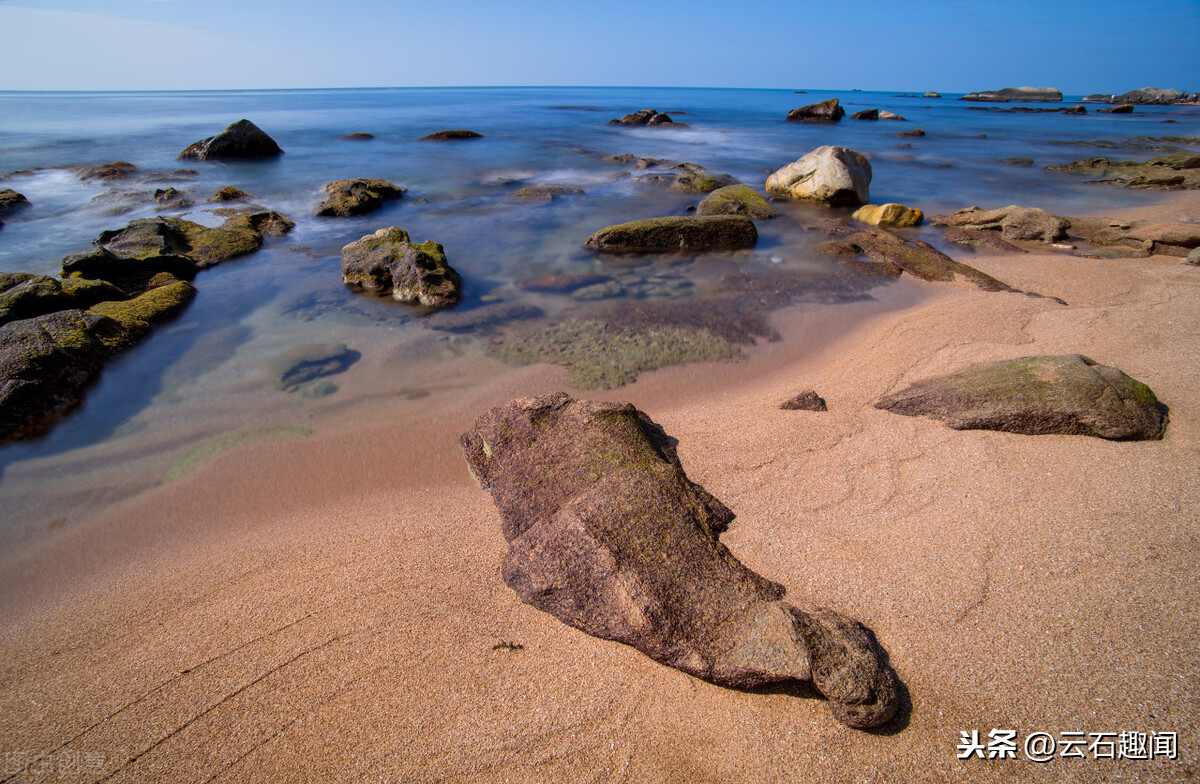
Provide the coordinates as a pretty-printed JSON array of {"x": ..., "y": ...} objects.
[
  {"x": 606, "y": 532},
  {"x": 828, "y": 174},
  {"x": 1068, "y": 394},
  {"x": 241, "y": 140},
  {"x": 1013, "y": 222}
]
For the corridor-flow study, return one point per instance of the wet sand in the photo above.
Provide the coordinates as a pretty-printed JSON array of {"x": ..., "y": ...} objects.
[{"x": 331, "y": 608}]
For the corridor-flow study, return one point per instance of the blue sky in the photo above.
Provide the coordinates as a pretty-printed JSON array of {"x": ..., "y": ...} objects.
[{"x": 944, "y": 45}]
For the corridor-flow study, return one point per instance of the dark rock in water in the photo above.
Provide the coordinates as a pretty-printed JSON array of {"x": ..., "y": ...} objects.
[
  {"x": 1147, "y": 95},
  {"x": 1013, "y": 222},
  {"x": 824, "y": 111},
  {"x": 11, "y": 201},
  {"x": 608, "y": 534},
  {"x": 118, "y": 170},
  {"x": 45, "y": 363},
  {"x": 1069, "y": 394},
  {"x": 302, "y": 364},
  {"x": 662, "y": 235},
  {"x": 808, "y": 400},
  {"x": 560, "y": 284},
  {"x": 932, "y": 94},
  {"x": 913, "y": 132},
  {"x": 646, "y": 117},
  {"x": 1018, "y": 161},
  {"x": 230, "y": 193},
  {"x": 171, "y": 199},
  {"x": 1081, "y": 109},
  {"x": 386, "y": 262},
  {"x": 886, "y": 115},
  {"x": 450, "y": 136},
  {"x": 356, "y": 197},
  {"x": 544, "y": 192},
  {"x": 1125, "y": 108},
  {"x": 360, "y": 136},
  {"x": 242, "y": 140},
  {"x": 866, "y": 114},
  {"x": 24, "y": 295},
  {"x": 1016, "y": 94},
  {"x": 736, "y": 199},
  {"x": 482, "y": 317}
]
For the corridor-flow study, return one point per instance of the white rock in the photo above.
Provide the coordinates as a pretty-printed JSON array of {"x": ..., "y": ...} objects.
[{"x": 829, "y": 174}]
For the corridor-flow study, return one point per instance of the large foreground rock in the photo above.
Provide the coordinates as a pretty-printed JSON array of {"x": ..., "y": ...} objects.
[
  {"x": 387, "y": 262},
  {"x": 676, "y": 233},
  {"x": 1069, "y": 394},
  {"x": 241, "y": 140},
  {"x": 828, "y": 174},
  {"x": 45, "y": 363},
  {"x": 608, "y": 534}
]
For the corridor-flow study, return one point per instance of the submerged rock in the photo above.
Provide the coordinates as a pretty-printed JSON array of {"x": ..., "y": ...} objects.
[
  {"x": 359, "y": 136},
  {"x": 608, "y": 534},
  {"x": 736, "y": 199},
  {"x": 1071, "y": 395},
  {"x": 118, "y": 170},
  {"x": 356, "y": 197},
  {"x": 677, "y": 233},
  {"x": 482, "y": 317},
  {"x": 823, "y": 112},
  {"x": 545, "y": 192},
  {"x": 386, "y": 262},
  {"x": 242, "y": 140},
  {"x": 300, "y": 365},
  {"x": 11, "y": 201},
  {"x": 828, "y": 174},
  {"x": 560, "y": 283}
]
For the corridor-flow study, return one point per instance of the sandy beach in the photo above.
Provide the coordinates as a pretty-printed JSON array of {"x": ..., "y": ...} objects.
[{"x": 331, "y": 609}]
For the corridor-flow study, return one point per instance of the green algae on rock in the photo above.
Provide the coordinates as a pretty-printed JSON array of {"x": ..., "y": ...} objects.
[
  {"x": 137, "y": 316},
  {"x": 356, "y": 197},
  {"x": 599, "y": 355},
  {"x": 198, "y": 456},
  {"x": 736, "y": 199},
  {"x": 387, "y": 262},
  {"x": 676, "y": 233}
]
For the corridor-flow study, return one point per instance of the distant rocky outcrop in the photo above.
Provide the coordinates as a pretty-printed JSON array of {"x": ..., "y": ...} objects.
[
  {"x": 1174, "y": 171},
  {"x": 451, "y": 136},
  {"x": 736, "y": 199},
  {"x": 356, "y": 197},
  {"x": 1145, "y": 95},
  {"x": 388, "y": 263},
  {"x": 828, "y": 174},
  {"x": 1125, "y": 108},
  {"x": 676, "y": 233},
  {"x": 1070, "y": 395},
  {"x": 242, "y": 140},
  {"x": 828, "y": 111},
  {"x": 606, "y": 533},
  {"x": 646, "y": 117},
  {"x": 1015, "y": 94},
  {"x": 932, "y": 94}
]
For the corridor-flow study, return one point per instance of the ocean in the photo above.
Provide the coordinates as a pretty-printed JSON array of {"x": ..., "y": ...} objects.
[{"x": 203, "y": 376}]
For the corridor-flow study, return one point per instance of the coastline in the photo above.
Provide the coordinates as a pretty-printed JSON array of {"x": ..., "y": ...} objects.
[{"x": 328, "y": 607}]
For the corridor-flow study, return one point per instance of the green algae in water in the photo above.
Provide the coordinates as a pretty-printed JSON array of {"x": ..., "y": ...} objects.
[
  {"x": 200, "y": 455},
  {"x": 598, "y": 355}
]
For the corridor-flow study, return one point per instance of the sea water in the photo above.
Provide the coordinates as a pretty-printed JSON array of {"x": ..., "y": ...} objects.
[{"x": 203, "y": 374}]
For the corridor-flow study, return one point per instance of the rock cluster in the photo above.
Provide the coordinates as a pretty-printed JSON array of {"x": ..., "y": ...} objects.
[
  {"x": 607, "y": 533},
  {"x": 648, "y": 117}
]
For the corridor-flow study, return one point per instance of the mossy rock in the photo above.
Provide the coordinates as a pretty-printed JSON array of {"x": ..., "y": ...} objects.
[
  {"x": 198, "y": 456},
  {"x": 736, "y": 199},
  {"x": 1069, "y": 394},
  {"x": 544, "y": 192},
  {"x": 387, "y": 262},
  {"x": 137, "y": 316},
  {"x": 356, "y": 197},
  {"x": 240, "y": 140},
  {"x": 25, "y": 295},
  {"x": 11, "y": 201},
  {"x": 451, "y": 135},
  {"x": 598, "y": 355},
  {"x": 676, "y": 233}
]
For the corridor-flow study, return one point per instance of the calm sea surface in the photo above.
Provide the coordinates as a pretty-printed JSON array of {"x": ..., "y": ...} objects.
[{"x": 202, "y": 375}]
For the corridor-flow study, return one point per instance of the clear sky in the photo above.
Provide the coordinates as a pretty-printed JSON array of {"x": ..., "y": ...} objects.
[{"x": 945, "y": 45}]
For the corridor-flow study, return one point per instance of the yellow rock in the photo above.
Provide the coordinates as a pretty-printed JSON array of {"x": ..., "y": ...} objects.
[{"x": 890, "y": 214}]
